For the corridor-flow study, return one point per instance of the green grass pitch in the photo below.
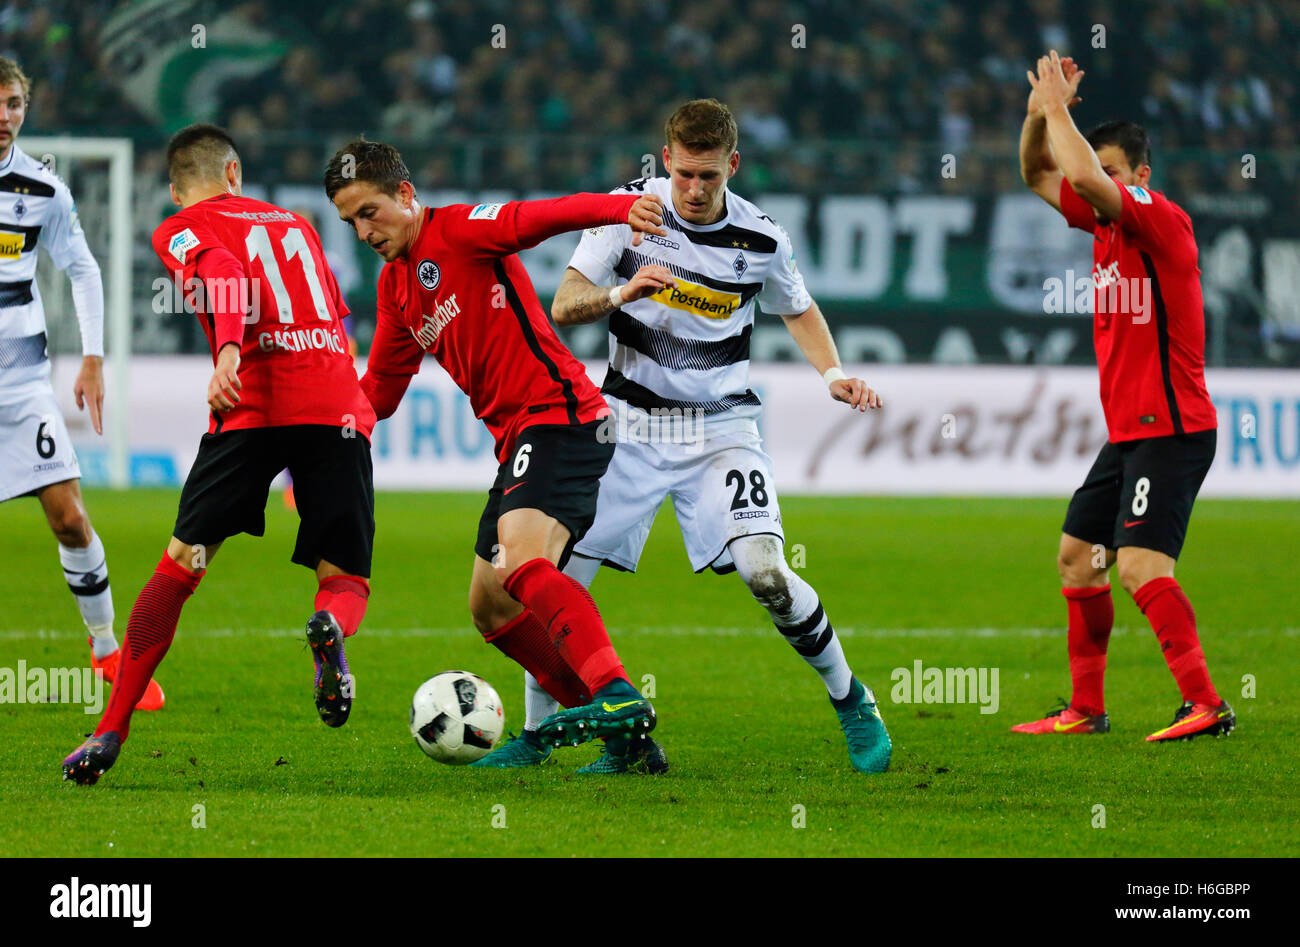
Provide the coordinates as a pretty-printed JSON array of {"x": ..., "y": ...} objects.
[{"x": 749, "y": 731}]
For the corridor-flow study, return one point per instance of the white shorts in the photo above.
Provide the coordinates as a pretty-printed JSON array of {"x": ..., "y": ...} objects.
[
  {"x": 722, "y": 489},
  {"x": 35, "y": 450}
]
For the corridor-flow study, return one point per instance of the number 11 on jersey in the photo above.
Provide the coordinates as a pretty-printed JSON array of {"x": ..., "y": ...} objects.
[{"x": 294, "y": 244}]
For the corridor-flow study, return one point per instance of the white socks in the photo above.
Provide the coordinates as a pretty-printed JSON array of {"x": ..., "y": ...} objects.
[
  {"x": 538, "y": 705},
  {"x": 86, "y": 572},
  {"x": 794, "y": 607}
]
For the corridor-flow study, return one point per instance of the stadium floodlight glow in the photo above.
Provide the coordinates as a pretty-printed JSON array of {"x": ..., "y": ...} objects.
[{"x": 115, "y": 263}]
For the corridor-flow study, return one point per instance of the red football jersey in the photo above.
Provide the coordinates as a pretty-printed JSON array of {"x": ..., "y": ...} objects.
[
  {"x": 294, "y": 362},
  {"x": 1148, "y": 320},
  {"x": 463, "y": 296}
]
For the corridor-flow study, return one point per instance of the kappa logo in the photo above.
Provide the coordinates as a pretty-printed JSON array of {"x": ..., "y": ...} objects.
[
  {"x": 662, "y": 241},
  {"x": 182, "y": 243},
  {"x": 428, "y": 274},
  {"x": 485, "y": 211}
]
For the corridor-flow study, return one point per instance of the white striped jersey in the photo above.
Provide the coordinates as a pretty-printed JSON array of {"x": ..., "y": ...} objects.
[
  {"x": 688, "y": 347},
  {"x": 36, "y": 210}
]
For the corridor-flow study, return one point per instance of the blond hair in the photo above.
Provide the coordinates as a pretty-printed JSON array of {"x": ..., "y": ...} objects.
[
  {"x": 10, "y": 71},
  {"x": 702, "y": 125}
]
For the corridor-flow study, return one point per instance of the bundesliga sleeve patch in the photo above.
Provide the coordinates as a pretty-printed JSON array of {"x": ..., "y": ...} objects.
[
  {"x": 181, "y": 243},
  {"x": 1139, "y": 194},
  {"x": 485, "y": 211}
]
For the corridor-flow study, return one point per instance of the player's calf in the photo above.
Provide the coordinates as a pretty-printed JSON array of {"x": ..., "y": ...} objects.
[
  {"x": 84, "y": 562},
  {"x": 108, "y": 668},
  {"x": 795, "y": 609},
  {"x": 572, "y": 622},
  {"x": 150, "y": 630},
  {"x": 344, "y": 597}
]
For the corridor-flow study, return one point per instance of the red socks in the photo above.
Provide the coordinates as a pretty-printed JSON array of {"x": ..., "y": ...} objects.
[
  {"x": 525, "y": 641},
  {"x": 571, "y": 620},
  {"x": 1092, "y": 614},
  {"x": 344, "y": 597},
  {"x": 149, "y": 633},
  {"x": 1174, "y": 622}
]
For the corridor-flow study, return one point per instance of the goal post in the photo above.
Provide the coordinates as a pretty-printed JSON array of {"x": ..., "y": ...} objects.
[{"x": 99, "y": 173}]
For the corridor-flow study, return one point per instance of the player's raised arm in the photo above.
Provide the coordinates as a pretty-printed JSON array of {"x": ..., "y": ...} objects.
[
  {"x": 1038, "y": 168},
  {"x": 1074, "y": 156},
  {"x": 502, "y": 229}
]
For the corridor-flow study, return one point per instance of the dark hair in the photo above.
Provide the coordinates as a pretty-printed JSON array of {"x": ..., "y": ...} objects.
[
  {"x": 199, "y": 152},
  {"x": 1129, "y": 136},
  {"x": 371, "y": 161},
  {"x": 702, "y": 125}
]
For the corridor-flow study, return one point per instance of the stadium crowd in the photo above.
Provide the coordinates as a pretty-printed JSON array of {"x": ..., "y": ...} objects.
[
  {"x": 827, "y": 92},
  {"x": 831, "y": 96}
]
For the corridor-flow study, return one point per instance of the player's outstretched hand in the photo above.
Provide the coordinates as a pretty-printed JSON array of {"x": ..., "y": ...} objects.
[
  {"x": 647, "y": 281},
  {"x": 223, "y": 389},
  {"x": 89, "y": 390},
  {"x": 855, "y": 393},
  {"x": 1072, "y": 74},
  {"x": 646, "y": 216}
]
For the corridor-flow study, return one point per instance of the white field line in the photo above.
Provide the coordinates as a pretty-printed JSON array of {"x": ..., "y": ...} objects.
[{"x": 653, "y": 631}]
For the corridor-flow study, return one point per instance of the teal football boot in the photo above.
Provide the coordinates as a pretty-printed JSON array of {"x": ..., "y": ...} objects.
[
  {"x": 516, "y": 752},
  {"x": 869, "y": 745},
  {"x": 642, "y": 756},
  {"x": 618, "y": 710}
]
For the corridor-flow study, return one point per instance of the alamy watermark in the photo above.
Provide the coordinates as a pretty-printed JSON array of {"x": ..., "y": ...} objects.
[
  {"x": 177, "y": 295},
  {"x": 676, "y": 425},
  {"x": 66, "y": 685},
  {"x": 937, "y": 685},
  {"x": 1103, "y": 292},
  {"x": 88, "y": 900}
]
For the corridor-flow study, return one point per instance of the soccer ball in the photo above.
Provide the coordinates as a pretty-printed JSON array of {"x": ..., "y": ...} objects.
[{"x": 456, "y": 717}]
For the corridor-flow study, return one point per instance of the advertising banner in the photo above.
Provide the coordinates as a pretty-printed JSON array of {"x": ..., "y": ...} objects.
[{"x": 977, "y": 430}]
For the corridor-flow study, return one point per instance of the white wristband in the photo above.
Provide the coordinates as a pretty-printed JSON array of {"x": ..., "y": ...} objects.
[
  {"x": 833, "y": 374},
  {"x": 616, "y": 297}
]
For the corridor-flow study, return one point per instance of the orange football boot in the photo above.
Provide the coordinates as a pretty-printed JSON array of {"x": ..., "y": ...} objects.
[
  {"x": 1194, "y": 720},
  {"x": 1065, "y": 719}
]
